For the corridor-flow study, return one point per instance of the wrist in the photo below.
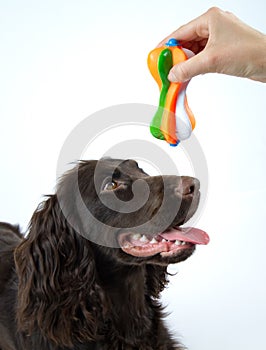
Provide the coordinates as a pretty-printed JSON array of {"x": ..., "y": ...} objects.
[{"x": 259, "y": 59}]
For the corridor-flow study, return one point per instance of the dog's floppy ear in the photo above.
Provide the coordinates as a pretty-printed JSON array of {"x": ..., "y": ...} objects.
[{"x": 57, "y": 279}]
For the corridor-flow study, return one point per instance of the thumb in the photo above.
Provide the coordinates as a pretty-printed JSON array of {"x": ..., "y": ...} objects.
[{"x": 188, "y": 69}]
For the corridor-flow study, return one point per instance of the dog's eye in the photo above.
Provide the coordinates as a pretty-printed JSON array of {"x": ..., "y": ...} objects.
[{"x": 109, "y": 186}]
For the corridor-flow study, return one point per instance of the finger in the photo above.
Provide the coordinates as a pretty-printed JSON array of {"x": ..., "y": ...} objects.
[
  {"x": 196, "y": 29},
  {"x": 186, "y": 70},
  {"x": 177, "y": 34}
]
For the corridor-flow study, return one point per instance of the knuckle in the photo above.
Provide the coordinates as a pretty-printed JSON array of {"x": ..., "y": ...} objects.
[{"x": 214, "y": 10}]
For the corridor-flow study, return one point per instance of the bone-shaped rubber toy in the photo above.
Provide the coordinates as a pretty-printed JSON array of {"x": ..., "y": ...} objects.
[{"x": 173, "y": 121}]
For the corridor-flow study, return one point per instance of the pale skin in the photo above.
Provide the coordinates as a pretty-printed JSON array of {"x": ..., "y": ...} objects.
[{"x": 222, "y": 43}]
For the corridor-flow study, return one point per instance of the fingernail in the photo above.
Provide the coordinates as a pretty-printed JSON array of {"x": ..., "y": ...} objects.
[{"x": 172, "y": 77}]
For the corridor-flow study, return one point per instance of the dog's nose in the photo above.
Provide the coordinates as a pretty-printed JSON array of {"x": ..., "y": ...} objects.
[{"x": 187, "y": 185}]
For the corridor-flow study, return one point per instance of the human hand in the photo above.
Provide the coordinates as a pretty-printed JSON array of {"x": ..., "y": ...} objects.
[{"x": 222, "y": 44}]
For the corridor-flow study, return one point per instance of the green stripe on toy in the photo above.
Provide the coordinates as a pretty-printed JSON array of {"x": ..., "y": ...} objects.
[{"x": 165, "y": 63}]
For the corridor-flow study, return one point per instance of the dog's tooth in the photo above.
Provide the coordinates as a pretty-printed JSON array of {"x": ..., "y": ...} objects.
[
  {"x": 127, "y": 245},
  {"x": 163, "y": 240},
  {"x": 183, "y": 243},
  {"x": 136, "y": 236},
  {"x": 178, "y": 242},
  {"x": 153, "y": 241},
  {"x": 144, "y": 239}
]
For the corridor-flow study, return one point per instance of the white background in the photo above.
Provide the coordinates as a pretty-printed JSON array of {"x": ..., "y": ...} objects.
[{"x": 59, "y": 63}]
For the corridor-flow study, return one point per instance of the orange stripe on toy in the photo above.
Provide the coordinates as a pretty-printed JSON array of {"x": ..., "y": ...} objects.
[
  {"x": 168, "y": 124},
  {"x": 153, "y": 65},
  {"x": 190, "y": 114}
]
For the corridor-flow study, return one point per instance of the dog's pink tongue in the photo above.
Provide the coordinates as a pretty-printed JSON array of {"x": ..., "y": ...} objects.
[{"x": 188, "y": 234}]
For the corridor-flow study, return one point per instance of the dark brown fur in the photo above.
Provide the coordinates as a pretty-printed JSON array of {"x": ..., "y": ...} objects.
[{"x": 60, "y": 290}]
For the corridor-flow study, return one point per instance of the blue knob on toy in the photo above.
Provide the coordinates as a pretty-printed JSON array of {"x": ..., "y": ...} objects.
[{"x": 172, "y": 42}]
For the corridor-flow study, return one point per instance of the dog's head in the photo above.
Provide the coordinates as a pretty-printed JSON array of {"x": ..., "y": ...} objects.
[{"x": 114, "y": 203}]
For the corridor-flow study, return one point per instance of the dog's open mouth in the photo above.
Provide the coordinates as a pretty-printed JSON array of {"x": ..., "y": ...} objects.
[{"x": 167, "y": 244}]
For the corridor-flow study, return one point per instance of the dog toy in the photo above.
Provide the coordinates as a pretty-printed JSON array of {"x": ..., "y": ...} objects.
[{"x": 173, "y": 120}]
